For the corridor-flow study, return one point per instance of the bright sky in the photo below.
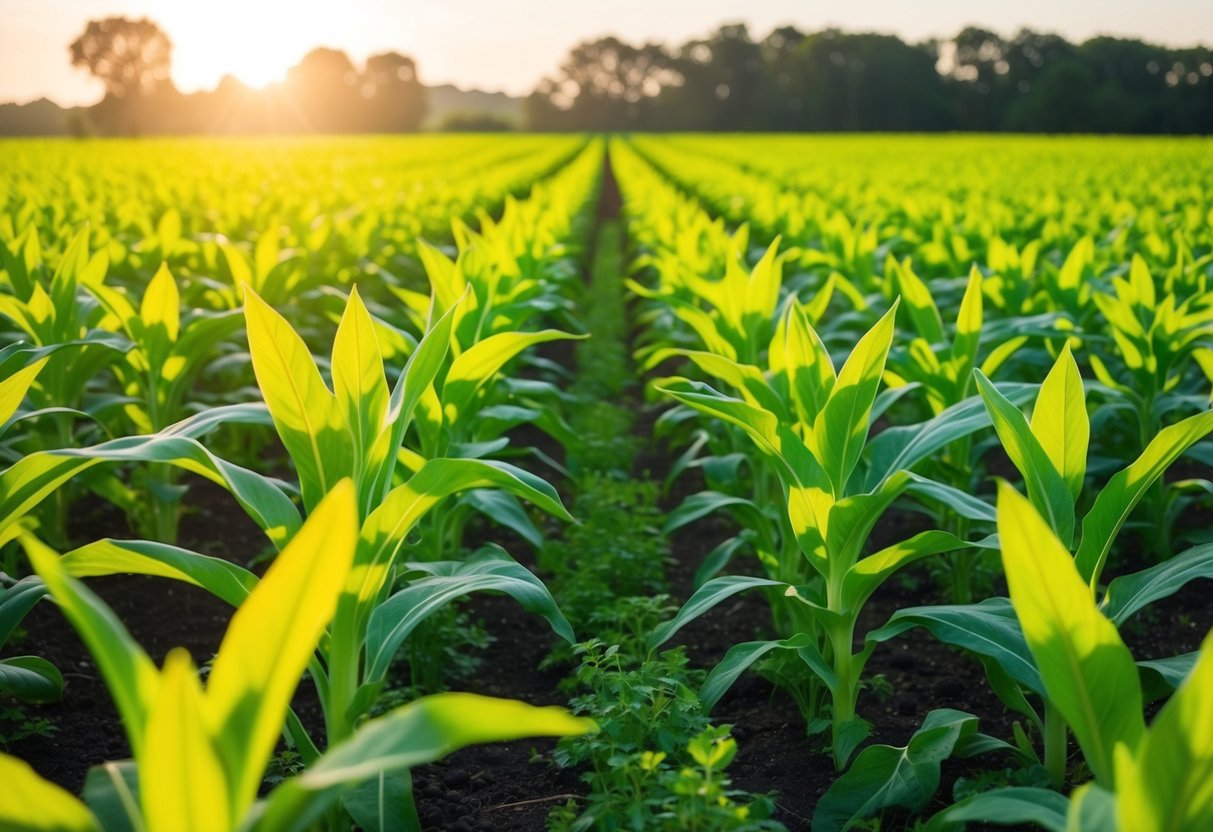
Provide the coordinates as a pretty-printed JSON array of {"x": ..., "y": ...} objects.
[{"x": 492, "y": 44}]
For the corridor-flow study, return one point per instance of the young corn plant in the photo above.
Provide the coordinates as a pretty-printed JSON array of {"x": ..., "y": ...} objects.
[
  {"x": 942, "y": 368},
  {"x": 357, "y": 430},
  {"x": 165, "y": 359},
  {"x": 200, "y": 753},
  {"x": 1157, "y": 341},
  {"x": 1145, "y": 779},
  {"x": 54, "y": 313},
  {"x": 1050, "y": 452},
  {"x": 816, "y": 452}
]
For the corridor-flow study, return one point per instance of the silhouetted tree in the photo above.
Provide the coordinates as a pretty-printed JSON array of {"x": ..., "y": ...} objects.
[
  {"x": 132, "y": 58},
  {"x": 394, "y": 99},
  {"x": 603, "y": 85},
  {"x": 324, "y": 87}
]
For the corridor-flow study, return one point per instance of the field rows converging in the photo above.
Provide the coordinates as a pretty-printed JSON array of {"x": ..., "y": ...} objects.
[{"x": 606, "y": 482}]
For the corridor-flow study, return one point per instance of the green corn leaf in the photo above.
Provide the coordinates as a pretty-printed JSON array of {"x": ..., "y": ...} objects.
[
  {"x": 384, "y": 531},
  {"x": 1159, "y": 677},
  {"x": 476, "y": 365},
  {"x": 1010, "y": 806},
  {"x": 866, "y": 576},
  {"x": 14, "y": 388},
  {"x": 1092, "y": 808},
  {"x": 1088, "y": 673},
  {"x": 182, "y": 780},
  {"x": 30, "y": 679},
  {"x": 746, "y": 379},
  {"x": 392, "y": 621},
  {"x": 1060, "y": 422},
  {"x": 901, "y": 448},
  {"x": 842, "y": 425},
  {"x": 17, "y": 600},
  {"x": 417, "y": 733},
  {"x": 222, "y": 578},
  {"x": 807, "y": 363},
  {"x": 961, "y": 502},
  {"x": 28, "y": 481},
  {"x": 741, "y": 657},
  {"x": 883, "y": 776},
  {"x": 271, "y": 638},
  {"x": 415, "y": 382},
  {"x": 1114, "y": 503},
  {"x": 1167, "y": 786},
  {"x": 1046, "y": 488},
  {"x": 383, "y": 803},
  {"x": 308, "y": 417},
  {"x": 919, "y": 304},
  {"x": 703, "y": 599},
  {"x": 111, "y": 791},
  {"x": 361, "y": 392},
  {"x": 160, "y": 315},
  {"x": 1128, "y": 594},
  {"x": 968, "y": 332},
  {"x": 988, "y": 629},
  {"x": 128, "y": 672}
]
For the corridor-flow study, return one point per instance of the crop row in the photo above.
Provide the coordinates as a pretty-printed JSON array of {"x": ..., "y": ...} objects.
[
  {"x": 824, "y": 387},
  {"x": 394, "y": 438}
]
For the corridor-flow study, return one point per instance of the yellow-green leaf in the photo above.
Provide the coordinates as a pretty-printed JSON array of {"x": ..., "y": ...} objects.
[
  {"x": 307, "y": 416},
  {"x": 1168, "y": 785},
  {"x": 842, "y": 425},
  {"x": 31, "y": 804},
  {"x": 161, "y": 306},
  {"x": 272, "y": 636},
  {"x": 361, "y": 388},
  {"x": 182, "y": 785},
  {"x": 14, "y": 388},
  {"x": 1060, "y": 422},
  {"x": 128, "y": 672},
  {"x": 1088, "y": 673}
]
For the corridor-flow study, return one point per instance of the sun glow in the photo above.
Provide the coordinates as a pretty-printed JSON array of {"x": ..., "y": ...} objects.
[{"x": 257, "y": 42}]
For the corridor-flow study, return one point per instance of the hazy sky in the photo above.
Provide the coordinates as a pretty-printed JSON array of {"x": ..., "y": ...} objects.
[{"x": 507, "y": 45}]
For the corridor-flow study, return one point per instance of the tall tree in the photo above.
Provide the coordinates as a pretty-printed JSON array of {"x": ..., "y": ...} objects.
[
  {"x": 131, "y": 57},
  {"x": 393, "y": 95}
]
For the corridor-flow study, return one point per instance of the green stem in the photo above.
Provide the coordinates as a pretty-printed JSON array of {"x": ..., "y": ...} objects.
[
  {"x": 843, "y": 706},
  {"x": 1055, "y": 745}
]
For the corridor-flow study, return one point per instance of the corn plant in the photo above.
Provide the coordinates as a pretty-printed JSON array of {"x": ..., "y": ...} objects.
[
  {"x": 357, "y": 430},
  {"x": 160, "y": 372},
  {"x": 816, "y": 448},
  {"x": 942, "y": 368},
  {"x": 1158, "y": 341},
  {"x": 1152, "y": 778},
  {"x": 55, "y": 314},
  {"x": 1050, "y": 452},
  {"x": 200, "y": 753}
]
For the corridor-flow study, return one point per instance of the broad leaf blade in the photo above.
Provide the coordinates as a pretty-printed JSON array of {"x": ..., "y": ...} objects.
[
  {"x": 272, "y": 636},
  {"x": 1088, "y": 673}
]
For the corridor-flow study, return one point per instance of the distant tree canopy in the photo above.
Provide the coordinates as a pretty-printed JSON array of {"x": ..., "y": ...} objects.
[
  {"x": 324, "y": 93},
  {"x": 832, "y": 80},
  {"x": 787, "y": 81},
  {"x": 131, "y": 57}
]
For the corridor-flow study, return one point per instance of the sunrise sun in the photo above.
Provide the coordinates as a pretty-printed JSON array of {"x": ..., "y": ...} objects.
[{"x": 254, "y": 42}]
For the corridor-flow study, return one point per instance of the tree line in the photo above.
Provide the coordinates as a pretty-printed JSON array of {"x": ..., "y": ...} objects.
[
  {"x": 787, "y": 81},
  {"x": 834, "y": 80}
]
